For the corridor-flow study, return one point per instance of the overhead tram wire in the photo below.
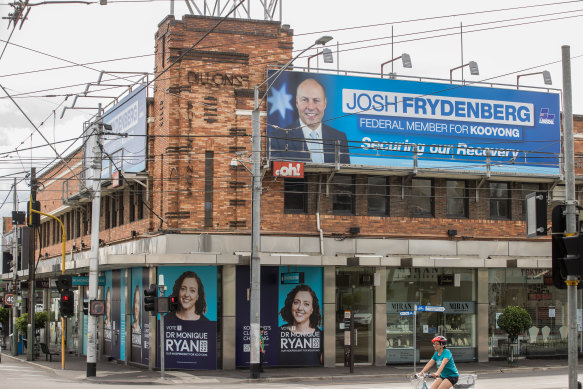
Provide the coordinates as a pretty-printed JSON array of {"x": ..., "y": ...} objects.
[
  {"x": 426, "y": 38},
  {"x": 150, "y": 82},
  {"x": 343, "y": 50},
  {"x": 440, "y": 17}
]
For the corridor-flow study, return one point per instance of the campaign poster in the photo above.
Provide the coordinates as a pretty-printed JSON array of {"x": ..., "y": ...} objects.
[
  {"x": 291, "y": 316},
  {"x": 114, "y": 326},
  {"x": 190, "y": 332},
  {"x": 300, "y": 316},
  {"x": 140, "y": 324},
  {"x": 326, "y": 118},
  {"x": 268, "y": 315}
]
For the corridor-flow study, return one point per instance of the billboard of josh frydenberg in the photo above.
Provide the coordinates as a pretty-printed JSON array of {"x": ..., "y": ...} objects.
[
  {"x": 325, "y": 118},
  {"x": 126, "y": 117}
]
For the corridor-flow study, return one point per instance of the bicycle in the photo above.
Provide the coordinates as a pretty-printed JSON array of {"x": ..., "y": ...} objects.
[{"x": 465, "y": 381}]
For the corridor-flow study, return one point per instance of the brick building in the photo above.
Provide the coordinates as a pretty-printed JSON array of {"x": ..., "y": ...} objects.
[{"x": 374, "y": 241}]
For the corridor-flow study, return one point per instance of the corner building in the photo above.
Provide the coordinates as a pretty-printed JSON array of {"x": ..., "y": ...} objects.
[{"x": 365, "y": 238}]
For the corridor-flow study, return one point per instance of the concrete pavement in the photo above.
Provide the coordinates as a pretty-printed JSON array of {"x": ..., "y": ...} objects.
[{"x": 120, "y": 373}]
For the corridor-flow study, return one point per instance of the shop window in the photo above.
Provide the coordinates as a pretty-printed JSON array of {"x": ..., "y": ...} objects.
[
  {"x": 378, "y": 196},
  {"x": 533, "y": 290},
  {"x": 295, "y": 195},
  {"x": 421, "y": 198},
  {"x": 452, "y": 288},
  {"x": 499, "y": 200},
  {"x": 456, "y": 199},
  {"x": 526, "y": 189},
  {"x": 343, "y": 195}
]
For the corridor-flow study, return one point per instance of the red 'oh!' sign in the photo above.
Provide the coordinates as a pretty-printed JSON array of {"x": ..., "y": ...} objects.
[{"x": 288, "y": 169}]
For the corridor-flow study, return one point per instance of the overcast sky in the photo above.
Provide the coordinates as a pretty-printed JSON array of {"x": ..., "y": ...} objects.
[{"x": 120, "y": 37}]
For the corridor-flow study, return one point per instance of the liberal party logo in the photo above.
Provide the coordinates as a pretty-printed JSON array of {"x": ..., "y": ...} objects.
[{"x": 546, "y": 117}]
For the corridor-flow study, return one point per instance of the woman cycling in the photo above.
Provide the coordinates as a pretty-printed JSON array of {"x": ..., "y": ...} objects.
[{"x": 447, "y": 374}]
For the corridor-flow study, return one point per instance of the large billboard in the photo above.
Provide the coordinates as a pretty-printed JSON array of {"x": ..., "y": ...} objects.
[
  {"x": 126, "y": 150},
  {"x": 324, "y": 118},
  {"x": 291, "y": 316}
]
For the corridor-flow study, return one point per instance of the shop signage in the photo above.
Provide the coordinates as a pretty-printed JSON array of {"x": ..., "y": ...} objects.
[
  {"x": 430, "y": 308},
  {"x": 397, "y": 307},
  {"x": 406, "y": 313},
  {"x": 292, "y": 278},
  {"x": 445, "y": 279},
  {"x": 462, "y": 307},
  {"x": 84, "y": 281},
  {"x": 288, "y": 169},
  {"x": 218, "y": 79}
]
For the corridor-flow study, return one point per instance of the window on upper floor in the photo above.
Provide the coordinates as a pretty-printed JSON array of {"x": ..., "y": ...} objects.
[
  {"x": 499, "y": 200},
  {"x": 294, "y": 195},
  {"x": 378, "y": 196},
  {"x": 421, "y": 203},
  {"x": 343, "y": 195},
  {"x": 456, "y": 197}
]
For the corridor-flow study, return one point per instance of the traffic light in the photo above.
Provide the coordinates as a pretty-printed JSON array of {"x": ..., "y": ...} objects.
[
  {"x": 64, "y": 282},
  {"x": 67, "y": 303},
  {"x": 559, "y": 272},
  {"x": 8, "y": 260},
  {"x": 85, "y": 307},
  {"x": 33, "y": 218},
  {"x": 574, "y": 258},
  {"x": 173, "y": 303},
  {"x": 151, "y": 300}
]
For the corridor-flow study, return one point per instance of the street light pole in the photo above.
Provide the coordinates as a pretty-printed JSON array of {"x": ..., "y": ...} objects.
[
  {"x": 94, "y": 253},
  {"x": 256, "y": 188},
  {"x": 571, "y": 212}
]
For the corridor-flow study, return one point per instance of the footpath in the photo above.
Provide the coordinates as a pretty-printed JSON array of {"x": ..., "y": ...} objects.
[{"x": 122, "y": 374}]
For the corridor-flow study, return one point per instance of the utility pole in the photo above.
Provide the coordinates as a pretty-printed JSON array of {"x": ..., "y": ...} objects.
[
  {"x": 95, "y": 142},
  {"x": 571, "y": 211},
  {"x": 31, "y": 271},
  {"x": 14, "y": 310}
]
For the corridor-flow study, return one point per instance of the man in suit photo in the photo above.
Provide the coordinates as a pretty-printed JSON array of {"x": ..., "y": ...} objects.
[{"x": 308, "y": 139}]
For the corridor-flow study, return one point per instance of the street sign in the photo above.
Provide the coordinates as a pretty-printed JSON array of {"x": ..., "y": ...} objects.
[
  {"x": 97, "y": 307},
  {"x": 406, "y": 313},
  {"x": 430, "y": 308},
  {"x": 9, "y": 299},
  {"x": 84, "y": 281}
]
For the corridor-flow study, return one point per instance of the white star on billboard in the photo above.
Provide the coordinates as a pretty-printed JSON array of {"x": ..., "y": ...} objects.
[{"x": 280, "y": 101}]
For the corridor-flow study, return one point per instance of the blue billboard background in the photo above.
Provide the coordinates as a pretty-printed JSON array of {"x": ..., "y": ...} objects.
[{"x": 453, "y": 127}]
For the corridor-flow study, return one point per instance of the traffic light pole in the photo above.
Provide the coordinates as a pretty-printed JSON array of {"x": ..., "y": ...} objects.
[
  {"x": 94, "y": 253},
  {"x": 571, "y": 212},
  {"x": 64, "y": 241},
  {"x": 14, "y": 310},
  {"x": 31, "y": 272},
  {"x": 162, "y": 289}
]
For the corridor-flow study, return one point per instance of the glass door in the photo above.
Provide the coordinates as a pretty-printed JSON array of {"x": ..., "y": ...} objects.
[{"x": 354, "y": 292}]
